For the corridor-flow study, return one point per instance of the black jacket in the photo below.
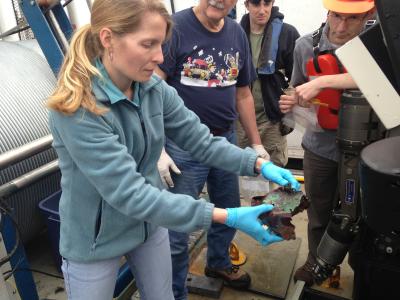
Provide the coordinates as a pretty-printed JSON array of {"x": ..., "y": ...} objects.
[{"x": 272, "y": 85}]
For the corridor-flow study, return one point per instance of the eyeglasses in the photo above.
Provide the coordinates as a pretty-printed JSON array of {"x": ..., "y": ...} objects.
[
  {"x": 257, "y": 2},
  {"x": 350, "y": 20}
]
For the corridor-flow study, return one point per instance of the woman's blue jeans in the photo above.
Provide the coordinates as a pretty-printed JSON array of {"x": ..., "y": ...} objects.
[
  {"x": 223, "y": 190},
  {"x": 149, "y": 262}
]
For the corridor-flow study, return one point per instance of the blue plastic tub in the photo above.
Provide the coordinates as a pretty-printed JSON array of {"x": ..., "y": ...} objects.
[{"x": 49, "y": 209}]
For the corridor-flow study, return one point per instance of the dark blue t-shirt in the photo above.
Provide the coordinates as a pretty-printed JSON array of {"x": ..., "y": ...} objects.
[{"x": 205, "y": 67}]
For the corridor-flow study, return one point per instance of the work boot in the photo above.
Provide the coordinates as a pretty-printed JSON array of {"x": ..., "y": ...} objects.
[
  {"x": 304, "y": 273},
  {"x": 233, "y": 276}
]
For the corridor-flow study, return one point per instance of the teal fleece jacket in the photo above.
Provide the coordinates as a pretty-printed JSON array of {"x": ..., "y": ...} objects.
[{"x": 112, "y": 195}]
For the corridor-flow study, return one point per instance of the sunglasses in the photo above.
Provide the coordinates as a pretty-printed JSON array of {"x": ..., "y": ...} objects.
[
  {"x": 351, "y": 20},
  {"x": 257, "y": 2}
]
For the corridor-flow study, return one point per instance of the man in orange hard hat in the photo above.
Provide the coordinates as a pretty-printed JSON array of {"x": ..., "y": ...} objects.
[{"x": 346, "y": 19}]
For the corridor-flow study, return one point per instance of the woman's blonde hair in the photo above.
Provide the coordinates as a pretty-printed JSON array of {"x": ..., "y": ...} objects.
[{"x": 74, "y": 86}]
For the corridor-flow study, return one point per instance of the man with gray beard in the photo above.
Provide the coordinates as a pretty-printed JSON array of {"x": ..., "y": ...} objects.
[{"x": 208, "y": 62}]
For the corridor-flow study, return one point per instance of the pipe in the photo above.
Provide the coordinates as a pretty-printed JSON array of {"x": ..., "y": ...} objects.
[
  {"x": 7, "y": 20},
  {"x": 79, "y": 13},
  {"x": 14, "y": 30},
  {"x": 16, "y": 155},
  {"x": 58, "y": 31},
  {"x": 28, "y": 178},
  {"x": 89, "y": 4}
]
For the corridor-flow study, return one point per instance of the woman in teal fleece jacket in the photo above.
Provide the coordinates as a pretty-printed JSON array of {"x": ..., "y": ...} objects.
[{"x": 109, "y": 116}]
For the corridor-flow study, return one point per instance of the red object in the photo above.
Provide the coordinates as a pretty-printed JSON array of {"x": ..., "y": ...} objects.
[{"x": 328, "y": 65}]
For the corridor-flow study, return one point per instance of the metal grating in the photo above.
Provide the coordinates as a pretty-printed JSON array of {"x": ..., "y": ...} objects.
[{"x": 20, "y": 19}]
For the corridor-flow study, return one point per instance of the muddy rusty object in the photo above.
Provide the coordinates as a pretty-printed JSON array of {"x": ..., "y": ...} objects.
[
  {"x": 287, "y": 203},
  {"x": 334, "y": 279}
]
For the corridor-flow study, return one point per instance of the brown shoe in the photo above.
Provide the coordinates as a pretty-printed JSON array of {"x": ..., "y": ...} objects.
[
  {"x": 305, "y": 273},
  {"x": 233, "y": 276}
]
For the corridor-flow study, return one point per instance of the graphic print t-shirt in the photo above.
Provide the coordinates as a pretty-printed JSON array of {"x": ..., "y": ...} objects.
[{"x": 205, "y": 67}]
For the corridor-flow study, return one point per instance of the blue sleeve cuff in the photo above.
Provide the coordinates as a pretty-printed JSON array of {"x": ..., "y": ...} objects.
[
  {"x": 249, "y": 168},
  {"x": 208, "y": 212}
]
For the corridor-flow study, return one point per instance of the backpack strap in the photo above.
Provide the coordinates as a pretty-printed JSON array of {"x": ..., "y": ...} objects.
[
  {"x": 272, "y": 47},
  {"x": 370, "y": 23},
  {"x": 316, "y": 36}
]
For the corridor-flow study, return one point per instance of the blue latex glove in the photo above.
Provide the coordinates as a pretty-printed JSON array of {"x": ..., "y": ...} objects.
[
  {"x": 246, "y": 219},
  {"x": 279, "y": 175}
]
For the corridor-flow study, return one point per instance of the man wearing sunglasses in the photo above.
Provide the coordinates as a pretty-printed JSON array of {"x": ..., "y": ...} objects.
[
  {"x": 272, "y": 43},
  {"x": 346, "y": 19}
]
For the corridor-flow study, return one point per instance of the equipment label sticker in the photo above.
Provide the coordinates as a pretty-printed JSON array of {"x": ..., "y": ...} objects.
[{"x": 349, "y": 197}]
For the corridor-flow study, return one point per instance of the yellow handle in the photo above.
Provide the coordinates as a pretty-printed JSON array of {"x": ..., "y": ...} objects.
[
  {"x": 318, "y": 102},
  {"x": 299, "y": 178}
]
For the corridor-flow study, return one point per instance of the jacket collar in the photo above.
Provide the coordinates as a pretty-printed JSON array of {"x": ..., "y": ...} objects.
[{"x": 106, "y": 91}]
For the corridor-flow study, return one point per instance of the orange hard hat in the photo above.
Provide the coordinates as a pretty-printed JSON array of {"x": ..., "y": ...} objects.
[{"x": 349, "y": 6}]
